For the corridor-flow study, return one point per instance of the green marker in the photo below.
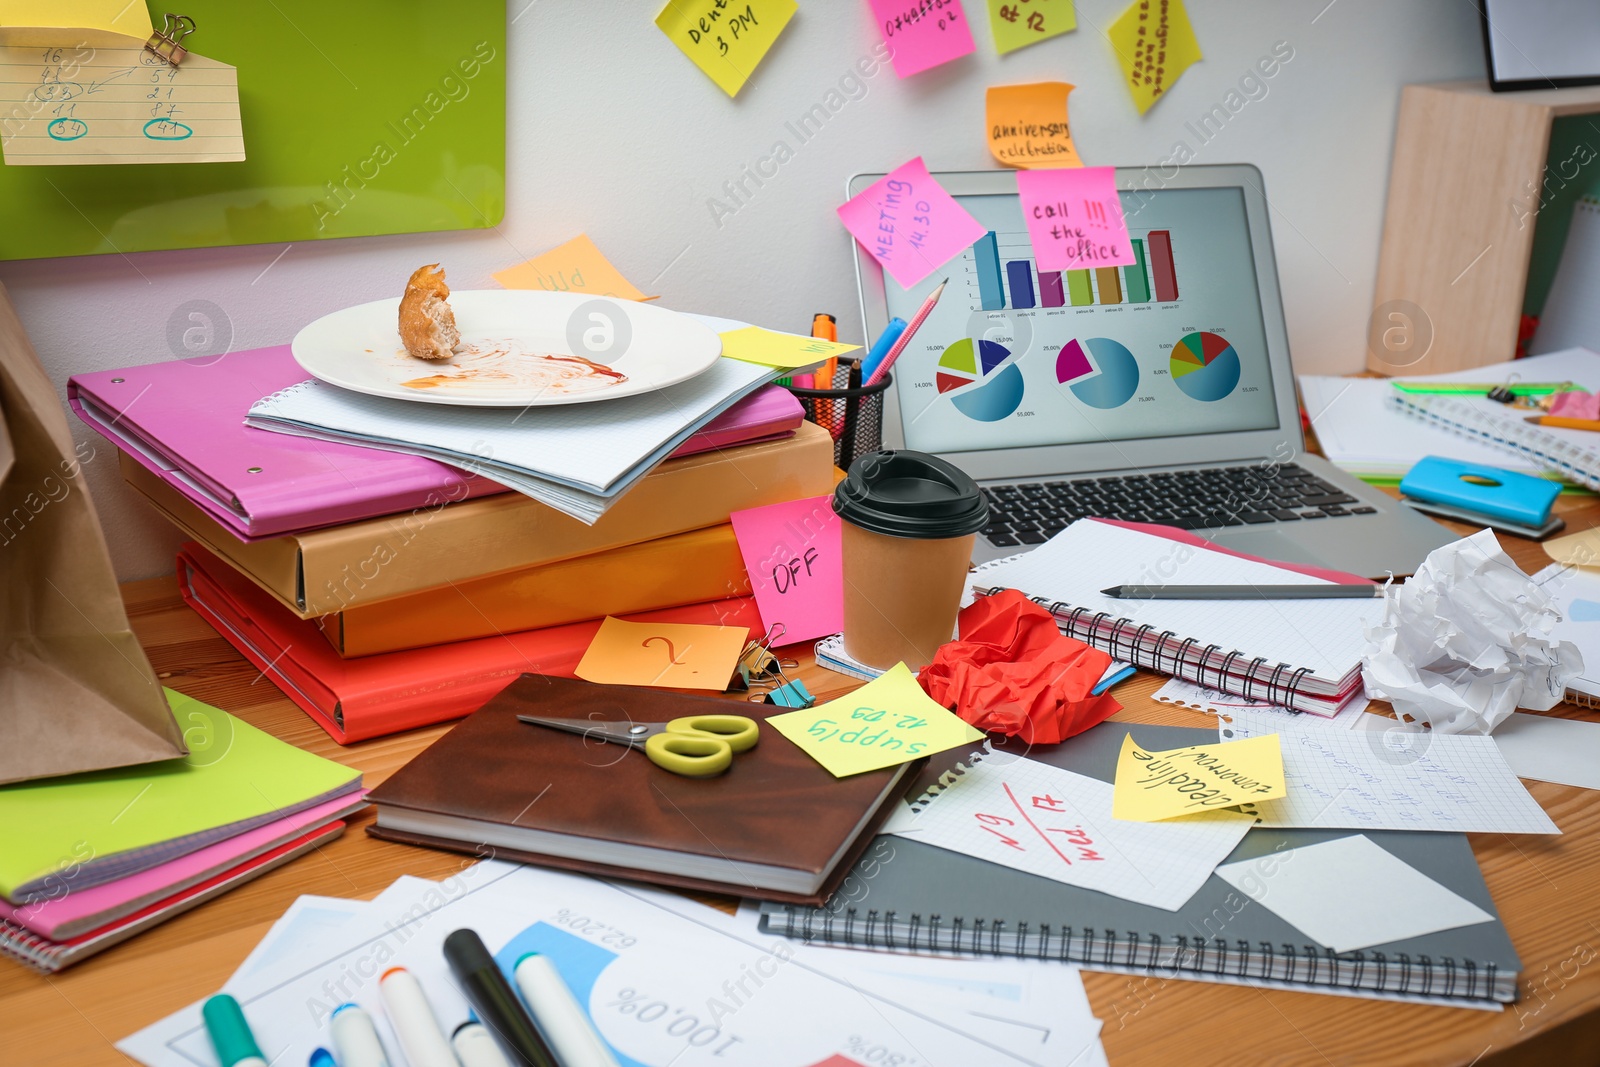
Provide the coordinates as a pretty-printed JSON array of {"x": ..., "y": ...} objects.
[{"x": 230, "y": 1034}]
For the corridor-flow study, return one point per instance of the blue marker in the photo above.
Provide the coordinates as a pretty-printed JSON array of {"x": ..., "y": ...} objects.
[
  {"x": 891, "y": 333},
  {"x": 323, "y": 1058}
]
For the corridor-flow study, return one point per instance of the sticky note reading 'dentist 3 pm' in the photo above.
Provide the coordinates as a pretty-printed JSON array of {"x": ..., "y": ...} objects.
[
  {"x": 886, "y": 722},
  {"x": 1151, "y": 786}
]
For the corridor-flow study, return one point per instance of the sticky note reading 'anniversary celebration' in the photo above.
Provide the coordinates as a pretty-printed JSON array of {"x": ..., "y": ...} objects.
[
  {"x": 1075, "y": 218},
  {"x": 674, "y": 655},
  {"x": 1154, "y": 44},
  {"x": 575, "y": 267},
  {"x": 923, "y": 33},
  {"x": 792, "y": 553},
  {"x": 1182, "y": 781},
  {"x": 725, "y": 40},
  {"x": 909, "y": 224},
  {"x": 1028, "y": 127},
  {"x": 887, "y": 721},
  {"x": 1019, "y": 23},
  {"x": 782, "y": 350}
]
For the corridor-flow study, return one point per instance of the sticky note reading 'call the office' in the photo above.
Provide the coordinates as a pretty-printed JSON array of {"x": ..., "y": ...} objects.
[
  {"x": 886, "y": 722},
  {"x": 1019, "y": 23},
  {"x": 1154, "y": 44},
  {"x": 1028, "y": 126},
  {"x": 673, "y": 655},
  {"x": 1075, "y": 218},
  {"x": 785, "y": 351},
  {"x": 575, "y": 267},
  {"x": 792, "y": 553},
  {"x": 923, "y": 33},
  {"x": 726, "y": 40},
  {"x": 909, "y": 224},
  {"x": 1151, "y": 786}
]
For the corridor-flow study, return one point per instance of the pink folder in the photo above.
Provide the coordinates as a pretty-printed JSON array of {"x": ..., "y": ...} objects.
[{"x": 184, "y": 420}]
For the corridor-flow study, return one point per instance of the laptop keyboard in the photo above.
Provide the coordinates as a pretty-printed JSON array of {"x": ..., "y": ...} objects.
[{"x": 1191, "y": 500}]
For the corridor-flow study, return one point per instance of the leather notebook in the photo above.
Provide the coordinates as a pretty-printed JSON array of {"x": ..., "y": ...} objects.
[{"x": 776, "y": 826}]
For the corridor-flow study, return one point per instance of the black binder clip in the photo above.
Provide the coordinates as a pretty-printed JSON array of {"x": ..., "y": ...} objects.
[{"x": 165, "y": 44}]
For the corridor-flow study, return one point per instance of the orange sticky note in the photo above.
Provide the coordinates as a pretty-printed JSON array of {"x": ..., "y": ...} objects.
[
  {"x": 1028, "y": 126},
  {"x": 672, "y": 655},
  {"x": 575, "y": 267}
]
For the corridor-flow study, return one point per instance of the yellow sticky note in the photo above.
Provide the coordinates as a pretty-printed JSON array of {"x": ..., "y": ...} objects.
[
  {"x": 726, "y": 40},
  {"x": 575, "y": 267},
  {"x": 672, "y": 655},
  {"x": 1028, "y": 126},
  {"x": 1154, "y": 44},
  {"x": 1151, "y": 786},
  {"x": 1019, "y": 23},
  {"x": 887, "y": 721},
  {"x": 782, "y": 350},
  {"x": 107, "y": 19}
]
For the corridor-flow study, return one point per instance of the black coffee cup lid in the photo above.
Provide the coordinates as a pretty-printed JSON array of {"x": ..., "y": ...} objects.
[{"x": 910, "y": 494}]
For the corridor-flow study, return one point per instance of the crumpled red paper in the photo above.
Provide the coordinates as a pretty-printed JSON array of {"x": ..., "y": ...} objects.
[{"x": 1013, "y": 672}]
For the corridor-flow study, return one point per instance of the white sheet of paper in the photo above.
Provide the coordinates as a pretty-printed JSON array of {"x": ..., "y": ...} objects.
[
  {"x": 1033, "y": 817},
  {"x": 1576, "y": 591},
  {"x": 1551, "y": 749},
  {"x": 1310, "y": 888},
  {"x": 1216, "y": 702},
  {"x": 308, "y": 923},
  {"x": 1400, "y": 778}
]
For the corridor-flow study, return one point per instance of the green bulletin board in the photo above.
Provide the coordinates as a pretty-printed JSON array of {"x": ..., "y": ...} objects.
[{"x": 360, "y": 117}]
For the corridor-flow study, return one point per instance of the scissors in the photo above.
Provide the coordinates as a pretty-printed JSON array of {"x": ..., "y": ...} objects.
[{"x": 695, "y": 746}]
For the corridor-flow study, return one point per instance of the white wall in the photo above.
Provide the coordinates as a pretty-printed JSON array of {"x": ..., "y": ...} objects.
[{"x": 614, "y": 132}]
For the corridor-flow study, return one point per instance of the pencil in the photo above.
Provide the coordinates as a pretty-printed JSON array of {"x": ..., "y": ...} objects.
[
  {"x": 1244, "y": 592},
  {"x": 1564, "y": 423},
  {"x": 824, "y": 326},
  {"x": 911, "y": 329}
]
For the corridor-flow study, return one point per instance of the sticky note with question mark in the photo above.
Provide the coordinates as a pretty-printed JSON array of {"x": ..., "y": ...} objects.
[{"x": 671, "y": 655}]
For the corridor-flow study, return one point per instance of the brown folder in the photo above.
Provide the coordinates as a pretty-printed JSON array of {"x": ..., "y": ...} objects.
[
  {"x": 323, "y": 571},
  {"x": 775, "y": 826}
]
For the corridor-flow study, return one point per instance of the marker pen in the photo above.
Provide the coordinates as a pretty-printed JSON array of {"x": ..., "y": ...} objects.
[
  {"x": 412, "y": 1018},
  {"x": 230, "y": 1034},
  {"x": 475, "y": 1048},
  {"x": 572, "y": 1036},
  {"x": 356, "y": 1039},
  {"x": 496, "y": 1003},
  {"x": 321, "y": 1057}
]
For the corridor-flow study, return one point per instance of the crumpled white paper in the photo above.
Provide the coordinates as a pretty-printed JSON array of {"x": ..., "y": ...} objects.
[{"x": 1466, "y": 640}]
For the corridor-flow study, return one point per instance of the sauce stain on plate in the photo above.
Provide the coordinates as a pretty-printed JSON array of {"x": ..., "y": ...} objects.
[{"x": 497, "y": 365}]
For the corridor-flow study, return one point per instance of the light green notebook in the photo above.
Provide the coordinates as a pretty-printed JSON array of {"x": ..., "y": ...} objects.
[{"x": 62, "y": 834}]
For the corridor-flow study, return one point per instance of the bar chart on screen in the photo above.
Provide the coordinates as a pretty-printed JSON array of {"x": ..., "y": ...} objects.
[{"x": 1001, "y": 274}]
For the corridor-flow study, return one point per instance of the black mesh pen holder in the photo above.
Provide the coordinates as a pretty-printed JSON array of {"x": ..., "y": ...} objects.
[{"x": 850, "y": 411}]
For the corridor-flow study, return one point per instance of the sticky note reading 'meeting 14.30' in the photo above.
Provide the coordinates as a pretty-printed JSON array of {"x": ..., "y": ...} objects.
[
  {"x": 1151, "y": 786},
  {"x": 909, "y": 224},
  {"x": 1074, "y": 218},
  {"x": 793, "y": 556},
  {"x": 886, "y": 722},
  {"x": 726, "y": 40}
]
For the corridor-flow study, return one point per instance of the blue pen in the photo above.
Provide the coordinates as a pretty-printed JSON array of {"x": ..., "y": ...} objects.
[{"x": 891, "y": 333}]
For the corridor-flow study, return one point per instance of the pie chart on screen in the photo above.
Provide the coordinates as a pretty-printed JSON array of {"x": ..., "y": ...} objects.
[
  {"x": 985, "y": 387},
  {"x": 1100, "y": 372},
  {"x": 1205, "y": 366}
]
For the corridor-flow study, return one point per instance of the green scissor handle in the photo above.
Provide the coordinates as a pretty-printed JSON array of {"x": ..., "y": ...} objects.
[
  {"x": 739, "y": 732},
  {"x": 690, "y": 755}
]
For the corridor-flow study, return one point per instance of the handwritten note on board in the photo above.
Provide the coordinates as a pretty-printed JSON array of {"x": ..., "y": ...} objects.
[
  {"x": 1075, "y": 218},
  {"x": 726, "y": 40},
  {"x": 909, "y": 224},
  {"x": 923, "y": 33},
  {"x": 575, "y": 267},
  {"x": 1028, "y": 126},
  {"x": 672, "y": 655},
  {"x": 1154, "y": 44},
  {"x": 1019, "y": 23},
  {"x": 1182, "y": 781},
  {"x": 75, "y": 105},
  {"x": 783, "y": 350},
  {"x": 886, "y": 722},
  {"x": 792, "y": 553}
]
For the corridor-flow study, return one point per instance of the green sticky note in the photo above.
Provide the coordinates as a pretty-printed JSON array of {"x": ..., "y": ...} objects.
[
  {"x": 725, "y": 39},
  {"x": 784, "y": 351},
  {"x": 886, "y": 722},
  {"x": 1019, "y": 23}
]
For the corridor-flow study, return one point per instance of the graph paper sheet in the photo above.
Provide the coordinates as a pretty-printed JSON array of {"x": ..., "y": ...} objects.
[
  {"x": 1040, "y": 819},
  {"x": 1396, "y": 779}
]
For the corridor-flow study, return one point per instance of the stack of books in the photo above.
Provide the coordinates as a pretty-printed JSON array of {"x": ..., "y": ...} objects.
[{"x": 384, "y": 591}]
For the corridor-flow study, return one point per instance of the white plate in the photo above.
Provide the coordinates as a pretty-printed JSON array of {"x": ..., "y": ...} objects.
[{"x": 507, "y": 339}]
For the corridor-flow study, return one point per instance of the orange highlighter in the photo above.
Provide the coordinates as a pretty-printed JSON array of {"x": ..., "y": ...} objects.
[{"x": 826, "y": 327}]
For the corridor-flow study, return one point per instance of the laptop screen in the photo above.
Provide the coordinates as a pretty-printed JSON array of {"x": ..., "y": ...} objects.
[{"x": 1013, "y": 357}]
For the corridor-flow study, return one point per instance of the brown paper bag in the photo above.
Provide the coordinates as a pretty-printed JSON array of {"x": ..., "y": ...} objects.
[{"x": 76, "y": 691}]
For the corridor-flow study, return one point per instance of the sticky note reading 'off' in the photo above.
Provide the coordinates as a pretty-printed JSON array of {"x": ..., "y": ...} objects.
[
  {"x": 575, "y": 267},
  {"x": 726, "y": 40},
  {"x": 672, "y": 655},
  {"x": 1019, "y": 23},
  {"x": 909, "y": 224},
  {"x": 886, "y": 722},
  {"x": 1075, "y": 218},
  {"x": 792, "y": 553},
  {"x": 785, "y": 351},
  {"x": 1161, "y": 785},
  {"x": 1028, "y": 126},
  {"x": 923, "y": 33},
  {"x": 1154, "y": 44}
]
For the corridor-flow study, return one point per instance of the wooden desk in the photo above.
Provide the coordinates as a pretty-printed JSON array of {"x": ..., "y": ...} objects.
[{"x": 1547, "y": 891}]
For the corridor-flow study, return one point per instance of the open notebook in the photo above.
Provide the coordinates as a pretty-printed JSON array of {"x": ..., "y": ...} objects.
[{"x": 1305, "y": 654}]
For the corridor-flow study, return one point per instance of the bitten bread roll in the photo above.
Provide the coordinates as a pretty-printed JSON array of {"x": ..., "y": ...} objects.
[{"x": 427, "y": 325}]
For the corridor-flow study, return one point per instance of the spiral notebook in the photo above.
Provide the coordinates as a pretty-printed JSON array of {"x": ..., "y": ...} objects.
[
  {"x": 1303, "y": 654},
  {"x": 911, "y": 896}
]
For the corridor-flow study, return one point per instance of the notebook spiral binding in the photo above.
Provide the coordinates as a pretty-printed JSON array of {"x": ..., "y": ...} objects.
[
  {"x": 286, "y": 391},
  {"x": 1579, "y": 464}
]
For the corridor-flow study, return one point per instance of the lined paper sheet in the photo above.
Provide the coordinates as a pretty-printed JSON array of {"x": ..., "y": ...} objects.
[
  {"x": 1032, "y": 817},
  {"x": 1395, "y": 779},
  {"x": 77, "y": 105}
]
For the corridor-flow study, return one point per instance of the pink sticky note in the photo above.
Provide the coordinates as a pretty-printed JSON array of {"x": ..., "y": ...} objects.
[
  {"x": 792, "y": 553},
  {"x": 923, "y": 33},
  {"x": 909, "y": 223},
  {"x": 1074, "y": 218}
]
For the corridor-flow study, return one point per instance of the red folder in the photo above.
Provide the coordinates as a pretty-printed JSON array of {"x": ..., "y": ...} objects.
[{"x": 357, "y": 699}]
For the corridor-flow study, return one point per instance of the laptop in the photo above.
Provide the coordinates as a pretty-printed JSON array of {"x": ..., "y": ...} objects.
[{"x": 1158, "y": 392}]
